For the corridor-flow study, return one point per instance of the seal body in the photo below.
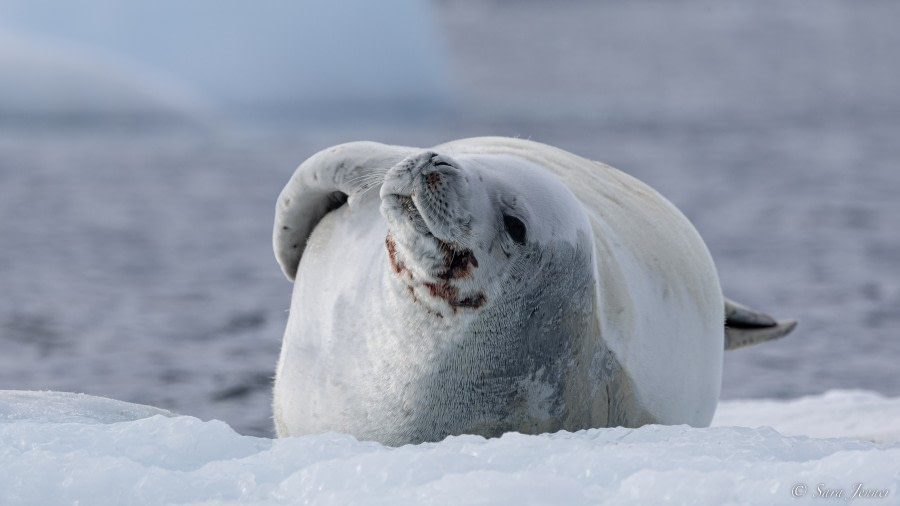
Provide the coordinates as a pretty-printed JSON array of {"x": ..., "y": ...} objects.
[{"x": 489, "y": 285}]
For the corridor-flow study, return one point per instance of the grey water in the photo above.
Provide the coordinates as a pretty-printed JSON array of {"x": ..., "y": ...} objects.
[{"x": 136, "y": 263}]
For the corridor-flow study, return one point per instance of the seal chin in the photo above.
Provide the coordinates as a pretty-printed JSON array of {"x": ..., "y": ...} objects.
[
  {"x": 456, "y": 256},
  {"x": 438, "y": 286}
]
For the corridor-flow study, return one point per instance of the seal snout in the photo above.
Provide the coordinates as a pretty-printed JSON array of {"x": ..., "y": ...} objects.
[
  {"x": 430, "y": 190},
  {"x": 425, "y": 199}
]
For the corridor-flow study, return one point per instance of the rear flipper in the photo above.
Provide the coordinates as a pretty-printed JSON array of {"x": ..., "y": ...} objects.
[{"x": 746, "y": 327}]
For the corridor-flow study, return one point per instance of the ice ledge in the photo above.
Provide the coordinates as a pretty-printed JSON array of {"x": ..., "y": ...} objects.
[
  {"x": 66, "y": 407},
  {"x": 58, "y": 448}
]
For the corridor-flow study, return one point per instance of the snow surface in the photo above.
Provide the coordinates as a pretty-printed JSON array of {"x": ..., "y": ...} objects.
[
  {"x": 129, "y": 454},
  {"x": 851, "y": 414}
]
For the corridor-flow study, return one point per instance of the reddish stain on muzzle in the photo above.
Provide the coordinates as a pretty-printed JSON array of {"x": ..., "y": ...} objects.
[
  {"x": 459, "y": 263},
  {"x": 392, "y": 254},
  {"x": 450, "y": 293}
]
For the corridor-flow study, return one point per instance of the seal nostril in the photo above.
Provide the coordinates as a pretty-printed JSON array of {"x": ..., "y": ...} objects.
[{"x": 437, "y": 161}]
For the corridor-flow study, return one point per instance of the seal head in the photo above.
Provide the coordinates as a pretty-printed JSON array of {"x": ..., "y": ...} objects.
[{"x": 491, "y": 257}]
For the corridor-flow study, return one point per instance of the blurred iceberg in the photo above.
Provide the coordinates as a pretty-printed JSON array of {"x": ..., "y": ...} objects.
[
  {"x": 244, "y": 58},
  {"x": 45, "y": 81}
]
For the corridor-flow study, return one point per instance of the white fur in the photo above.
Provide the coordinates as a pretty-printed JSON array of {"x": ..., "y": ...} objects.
[{"x": 354, "y": 343}]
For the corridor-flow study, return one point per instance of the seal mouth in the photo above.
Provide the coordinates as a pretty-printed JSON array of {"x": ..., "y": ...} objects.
[
  {"x": 408, "y": 207},
  {"x": 458, "y": 262},
  {"x": 457, "y": 266},
  {"x": 448, "y": 261}
]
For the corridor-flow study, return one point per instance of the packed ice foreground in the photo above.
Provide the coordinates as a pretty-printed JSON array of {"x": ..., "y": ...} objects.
[{"x": 60, "y": 448}]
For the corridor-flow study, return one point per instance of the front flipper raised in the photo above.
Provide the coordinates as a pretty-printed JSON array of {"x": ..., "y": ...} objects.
[
  {"x": 746, "y": 327},
  {"x": 322, "y": 183}
]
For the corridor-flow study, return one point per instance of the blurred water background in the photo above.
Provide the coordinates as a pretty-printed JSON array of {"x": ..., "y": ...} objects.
[{"x": 143, "y": 144}]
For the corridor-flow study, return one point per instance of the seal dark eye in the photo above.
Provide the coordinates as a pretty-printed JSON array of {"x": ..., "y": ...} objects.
[{"x": 515, "y": 228}]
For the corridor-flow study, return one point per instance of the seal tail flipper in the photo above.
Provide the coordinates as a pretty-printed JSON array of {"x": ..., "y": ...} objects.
[{"x": 746, "y": 327}]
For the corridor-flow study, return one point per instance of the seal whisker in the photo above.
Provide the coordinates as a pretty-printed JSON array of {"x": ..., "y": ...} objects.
[
  {"x": 366, "y": 182},
  {"x": 366, "y": 179}
]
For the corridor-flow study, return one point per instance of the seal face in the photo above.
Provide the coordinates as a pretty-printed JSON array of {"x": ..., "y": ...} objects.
[
  {"x": 490, "y": 285},
  {"x": 434, "y": 219}
]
